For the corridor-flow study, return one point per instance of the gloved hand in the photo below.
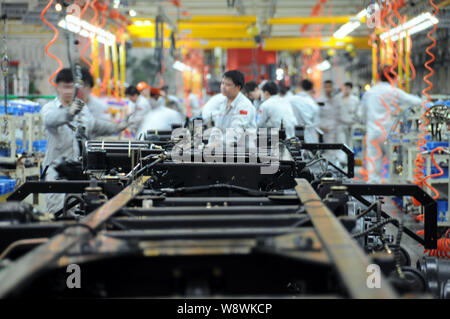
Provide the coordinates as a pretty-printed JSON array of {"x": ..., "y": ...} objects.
[
  {"x": 76, "y": 107},
  {"x": 122, "y": 125}
]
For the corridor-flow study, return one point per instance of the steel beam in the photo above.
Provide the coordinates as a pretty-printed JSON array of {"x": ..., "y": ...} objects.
[
  {"x": 27, "y": 267},
  {"x": 349, "y": 259}
]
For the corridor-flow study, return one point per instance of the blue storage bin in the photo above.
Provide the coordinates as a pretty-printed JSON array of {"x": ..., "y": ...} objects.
[
  {"x": 6, "y": 152},
  {"x": 7, "y": 185},
  {"x": 432, "y": 145},
  {"x": 40, "y": 146},
  {"x": 442, "y": 207},
  {"x": 398, "y": 201},
  {"x": 26, "y": 106}
]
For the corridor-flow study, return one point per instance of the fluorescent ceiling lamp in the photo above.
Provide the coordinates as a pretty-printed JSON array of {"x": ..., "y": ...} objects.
[
  {"x": 325, "y": 65},
  {"x": 87, "y": 30},
  {"x": 179, "y": 66},
  {"x": 417, "y": 24},
  {"x": 346, "y": 29},
  {"x": 351, "y": 26}
]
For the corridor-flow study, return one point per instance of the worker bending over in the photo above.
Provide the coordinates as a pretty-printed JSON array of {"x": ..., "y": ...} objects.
[
  {"x": 273, "y": 113},
  {"x": 160, "y": 117},
  {"x": 254, "y": 93}
]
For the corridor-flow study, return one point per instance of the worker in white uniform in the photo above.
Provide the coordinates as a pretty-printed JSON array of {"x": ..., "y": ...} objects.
[
  {"x": 139, "y": 106},
  {"x": 350, "y": 111},
  {"x": 330, "y": 123},
  {"x": 63, "y": 120},
  {"x": 306, "y": 111},
  {"x": 97, "y": 107},
  {"x": 171, "y": 101},
  {"x": 211, "y": 108},
  {"x": 254, "y": 93},
  {"x": 160, "y": 116},
  {"x": 194, "y": 103},
  {"x": 379, "y": 105},
  {"x": 233, "y": 114},
  {"x": 273, "y": 113},
  {"x": 329, "y": 113},
  {"x": 144, "y": 89}
]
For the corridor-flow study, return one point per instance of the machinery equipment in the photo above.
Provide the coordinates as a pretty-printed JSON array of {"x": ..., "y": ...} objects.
[{"x": 139, "y": 223}]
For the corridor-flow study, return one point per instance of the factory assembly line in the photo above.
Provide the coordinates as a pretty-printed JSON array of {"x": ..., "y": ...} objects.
[
  {"x": 192, "y": 150},
  {"x": 163, "y": 228}
]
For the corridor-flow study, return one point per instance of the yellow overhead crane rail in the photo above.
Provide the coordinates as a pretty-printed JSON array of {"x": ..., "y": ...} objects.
[
  {"x": 287, "y": 44},
  {"x": 220, "y": 19},
  {"x": 313, "y": 20},
  {"x": 270, "y": 44},
  {"x": 208, "y": 32}
]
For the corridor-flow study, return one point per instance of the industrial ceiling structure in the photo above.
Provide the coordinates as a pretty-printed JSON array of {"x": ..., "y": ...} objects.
[{"x": 280, "y": 24}]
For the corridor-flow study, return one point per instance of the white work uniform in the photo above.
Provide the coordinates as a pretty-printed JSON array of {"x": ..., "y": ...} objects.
[
  {"x": 375, "y": 102},
  {"x": 98, "y": 108},
  {"x": 178, "y": 106},
  {"x": 194, "y": 103},
  {"x": 274, "y": 111},
  {"x": 349, "y": 111},
  {"x": 138, "y": 111},
  {"x": 306, "y": 113},
  {"x": 62, "y": 140},
  {"x": 330, "y": 123},
  {"x": 238, "y": 118},
  {"x": 211, "y": 108},
  {"x": 160, "y": 118},
  {"x": 329, "y": 119}
]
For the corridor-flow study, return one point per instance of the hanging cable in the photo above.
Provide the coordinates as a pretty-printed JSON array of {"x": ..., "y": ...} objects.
[
  {"x": 88, "y": 42},
  {"x": 443, "y": 247},
  {"x": 55, "y": 37},
  {"x": 420, "y": 160},
  {"x": 441, "y": 172},
  {"x": 5, "y": 67},
  {"x": 94, "y": 64}
]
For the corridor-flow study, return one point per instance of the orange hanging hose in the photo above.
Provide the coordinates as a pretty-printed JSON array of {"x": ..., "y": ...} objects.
[
  {"x": 420, "y": 160},
  {"x": 443, "y": 244},
  {"x": 443, "y": 247},
  {"x": 88, "y": 42},
  {"x": 363, "y": 171},
  {"x": 441, "y": 172},
  {"x": 55, "y": 37}
]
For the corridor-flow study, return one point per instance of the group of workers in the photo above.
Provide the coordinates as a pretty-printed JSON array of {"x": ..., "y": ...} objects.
[{"x": 239, "y": 106}]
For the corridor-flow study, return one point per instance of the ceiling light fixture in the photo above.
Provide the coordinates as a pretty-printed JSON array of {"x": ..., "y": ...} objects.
[
  {"x": 87, "y": 30},
  {"x": 417, "y": 24}
]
